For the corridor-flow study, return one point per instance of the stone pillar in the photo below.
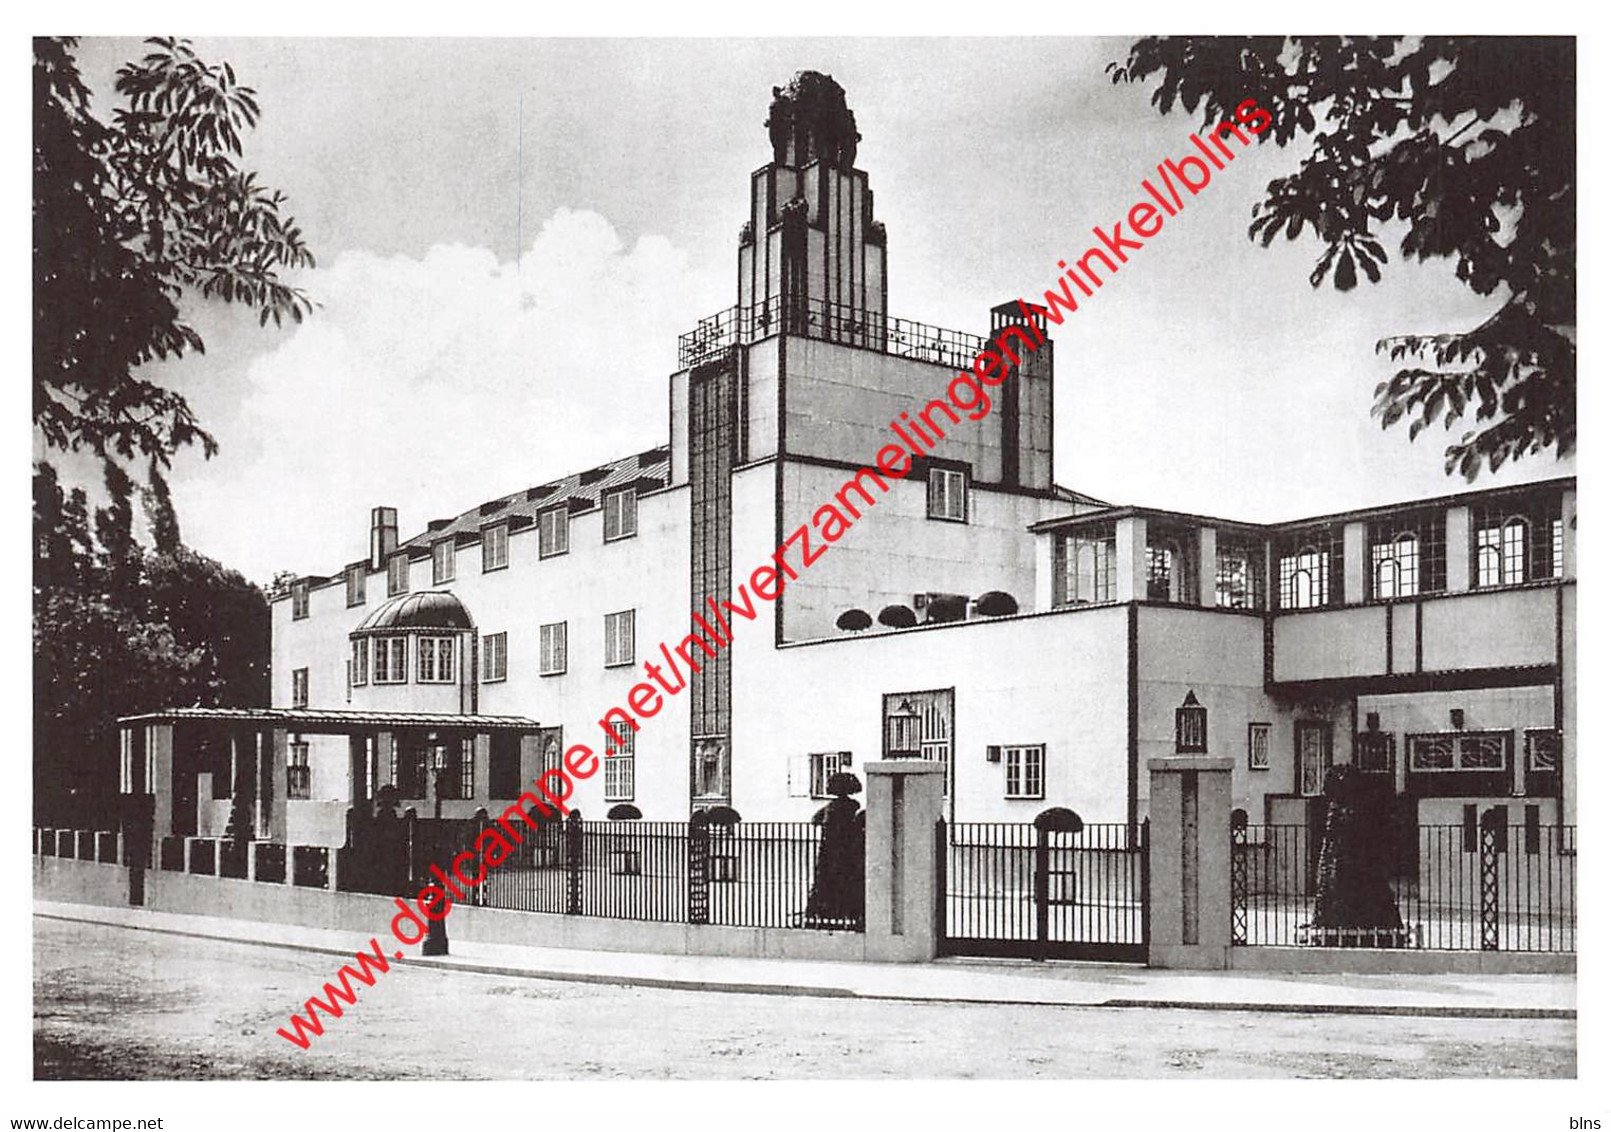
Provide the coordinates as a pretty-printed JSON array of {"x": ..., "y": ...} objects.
[
  {"x": 1457, "y": 547},
  {"x": 159, "y": 757},
  {"x": 1353, "y": 563},
  {"x": 1130, "y": 559},
  {"x": 1207, "y": 567},
  {"x": 905, "y": 800},
  {"x": 278, "y": 788},
  {"x": 1190, "y": 862},
  {"x": 1046, "y": 560}
]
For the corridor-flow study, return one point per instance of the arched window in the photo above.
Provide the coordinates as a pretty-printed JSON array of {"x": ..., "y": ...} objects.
[
  {"x": 1502, "y": 548},
  {"x": 1397, "y": 563},
  {"x": 1387, "y": 578}
]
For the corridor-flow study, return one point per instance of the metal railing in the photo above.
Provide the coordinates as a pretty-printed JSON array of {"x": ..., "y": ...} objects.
[
  {"x": 1493, "y": 888},
  {"x": 828, "y": 322},
  {"x": 1007, "y": 883},
  {"x": 753, "y": 874}
]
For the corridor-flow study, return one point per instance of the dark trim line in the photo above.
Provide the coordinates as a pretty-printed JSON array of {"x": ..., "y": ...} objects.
[
  {"x": 1133, "y": 709},
  {"x": 1520, "y": 676}
]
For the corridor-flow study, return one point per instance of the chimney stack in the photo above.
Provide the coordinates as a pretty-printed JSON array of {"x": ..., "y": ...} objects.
[{"x": 382, "y": 536}]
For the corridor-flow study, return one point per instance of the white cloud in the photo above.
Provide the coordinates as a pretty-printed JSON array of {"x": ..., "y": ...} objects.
[{"x": 432, "y": 384}]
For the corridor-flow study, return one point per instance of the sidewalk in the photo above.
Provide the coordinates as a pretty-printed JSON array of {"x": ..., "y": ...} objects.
[{"x": 1018, "y": 982}]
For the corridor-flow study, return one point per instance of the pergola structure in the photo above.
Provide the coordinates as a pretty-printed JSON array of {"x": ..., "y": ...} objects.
[{"x": 177, "y": 763}]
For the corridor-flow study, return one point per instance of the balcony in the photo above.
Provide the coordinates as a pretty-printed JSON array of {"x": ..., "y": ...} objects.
[{"x": 828, "y": 322}]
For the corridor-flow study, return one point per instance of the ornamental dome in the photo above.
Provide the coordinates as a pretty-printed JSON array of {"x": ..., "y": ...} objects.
[{"x": 432, "y": 610}]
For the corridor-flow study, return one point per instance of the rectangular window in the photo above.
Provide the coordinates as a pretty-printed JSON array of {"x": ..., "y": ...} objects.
[
  {"x": 948, "y": 494},
  {"x": 436, "y": 660},
  {"x": 442, "y": 561},
  {"x": 357, "y": 577},
  {"x": 298, "y": 773},
  {"x": 391, "y": 660},
  {"x": 503, "y": 769},
  {"x": 299, "y": 600},
  {"x": 397, "y": 575},
  {"x": 620, "y": 777},
  {"x": 1258, "y": 746},
  {"x": 619, "y": 631},
  {"x": 466, "y": 774},
  {"x": 494, "y": 657},
  {"x": 1026, "y": 771},
  {"x": 1314, "y": 757},
  {"x": 1543, "y": 751},
  {"x": 1374, "y": 750},
  {"x": 1454, "y": 751},
  {"x": 824, "y": 765},
  {"x": 553, "y": 532},
  {"x": 1308, "y": 564},
  {"x": 620, "y": 514},
  {"x": 360, "y": 661},
  {"x": 495, "y": 547},
  {"x": 551, "y": 646},
  {"x": 1238, "y": 573},
  {"x": 299, "y": 687},
  {"x": 1086, "y": 570}
]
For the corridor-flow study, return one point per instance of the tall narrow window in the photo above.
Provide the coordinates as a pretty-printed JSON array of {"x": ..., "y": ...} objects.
[
  {"x": 1258, "y": 746},
  {"x": 299, "y": 600},
  {"x": 1313, "y": 756},
  {"x": 1557, "y": 548},
  {"x": 442, "y": 562},
  {"x": 397, "y": 575},
  {"x": 391, "y": 660},
  {"x": 620, "y": 777},
  {"x": 356, "y": 577},
  {"x": 360, "y": 661},
  {"x": 299, "y": 687},
  {"x": 619, "y": 633},
  {"x": 551, "y": 647},
  {"x": 948, "y": 494},
  {"x": 494, "y": 657},
  {"x": 1238, "y": 573},
  {"x": 495, "y": 547},
  {"x": 298, "y": 772},
  {"x": 436, "y": 660},
  {"x": 620, "y": 514},
  {"x": 553, "y": 532},
  {"x": 1087, "y": 568}
]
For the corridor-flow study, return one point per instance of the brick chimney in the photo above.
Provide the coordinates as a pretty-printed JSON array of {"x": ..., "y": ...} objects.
[{"x": 382, "y": 536}]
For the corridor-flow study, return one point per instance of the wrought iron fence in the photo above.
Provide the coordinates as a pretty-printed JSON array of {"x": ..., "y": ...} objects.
[
  {"x": 828, "y": 322},
  {"x": 753, "y": 874},
  {"x": 1010, "y": 888},
  {"x": 1487, "y": 888}
]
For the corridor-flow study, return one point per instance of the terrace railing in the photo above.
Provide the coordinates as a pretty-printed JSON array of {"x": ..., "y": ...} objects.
[
  {"x": 828, "y": 322},
  {"x": 1486, "y": 888}
]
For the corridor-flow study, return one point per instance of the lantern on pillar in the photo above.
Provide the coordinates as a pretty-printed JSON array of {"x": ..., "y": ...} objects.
[
  {"x": 1191, "y": 727},
  {"x": 903, "y": 737}
]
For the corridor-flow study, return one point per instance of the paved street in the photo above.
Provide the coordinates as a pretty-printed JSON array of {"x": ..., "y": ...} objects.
[{"x": 112, "y": 1002}]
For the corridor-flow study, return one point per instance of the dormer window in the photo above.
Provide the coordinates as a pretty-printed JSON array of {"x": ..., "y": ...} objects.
[
  {"x": 356, "y": 577},
  {"x": 553, "y": 532},
  {"x": 442, "y": 562},
  {"x": 620, "y": 514},
  {"x": 495, "y": 547},
  {"x": 397, "y": 575},
  {"x": 299, "y": 600}
]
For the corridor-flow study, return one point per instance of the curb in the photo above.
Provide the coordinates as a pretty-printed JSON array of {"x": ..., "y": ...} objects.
[{"x": 821, "y": 991}]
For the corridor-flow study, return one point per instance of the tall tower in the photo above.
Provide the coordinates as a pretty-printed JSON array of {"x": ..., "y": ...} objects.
[{"x": 811, "y": 254}]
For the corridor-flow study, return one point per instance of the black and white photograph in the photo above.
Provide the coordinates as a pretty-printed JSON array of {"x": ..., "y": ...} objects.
[{"x": 829, "y": 553}]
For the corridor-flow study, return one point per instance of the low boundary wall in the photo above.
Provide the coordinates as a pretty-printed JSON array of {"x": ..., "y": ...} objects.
[{"x": 89, "y": 882}]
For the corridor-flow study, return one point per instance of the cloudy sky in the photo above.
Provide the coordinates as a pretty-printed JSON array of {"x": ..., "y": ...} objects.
[{"x": 511, "y": 234}]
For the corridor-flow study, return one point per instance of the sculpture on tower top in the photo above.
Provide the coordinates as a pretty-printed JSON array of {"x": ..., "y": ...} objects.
[{"x": 809, "y": 120}]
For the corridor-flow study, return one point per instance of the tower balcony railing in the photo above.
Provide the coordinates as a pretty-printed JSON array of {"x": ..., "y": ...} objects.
[{"x": 828, "y": 322}]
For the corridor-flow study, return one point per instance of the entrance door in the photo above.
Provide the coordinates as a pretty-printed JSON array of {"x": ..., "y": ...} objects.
[{"x": 1313, "y": 756}]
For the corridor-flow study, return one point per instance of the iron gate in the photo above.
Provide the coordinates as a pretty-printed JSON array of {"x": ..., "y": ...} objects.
[{"x": 1012, "y": 889}]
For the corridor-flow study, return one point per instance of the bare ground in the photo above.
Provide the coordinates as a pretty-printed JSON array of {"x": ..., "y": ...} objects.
[{"x": 116, "y": 1003}]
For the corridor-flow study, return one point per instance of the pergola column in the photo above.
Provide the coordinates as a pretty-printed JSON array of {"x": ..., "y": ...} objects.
[{"x": 279, "y": 791}]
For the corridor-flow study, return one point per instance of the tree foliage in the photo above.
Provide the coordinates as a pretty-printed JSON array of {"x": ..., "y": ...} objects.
[
  {"x": 130, "y": 216},
  {"x": 120, "y": 629},
  {"x": 1468, "y": 144}
]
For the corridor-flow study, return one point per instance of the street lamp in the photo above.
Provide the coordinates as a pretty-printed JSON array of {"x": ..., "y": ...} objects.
[{"x": 903, "y": 737}]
